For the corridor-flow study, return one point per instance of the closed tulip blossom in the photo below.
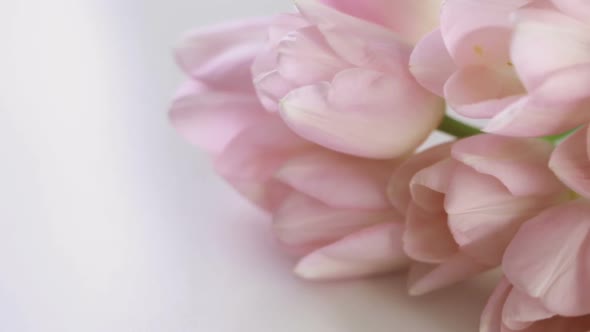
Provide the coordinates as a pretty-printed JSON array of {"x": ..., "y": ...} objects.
[
  {"x": 524, "y": 64},
  {"x": 463, "y": 208},
  {"x": 337, "y": 71},
  {"x": 547, "y": 270},
  {"x": 324, "y": 204}
]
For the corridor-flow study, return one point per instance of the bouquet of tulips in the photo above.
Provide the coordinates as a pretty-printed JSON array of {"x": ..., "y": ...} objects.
[{"x": 319, "y": 116}]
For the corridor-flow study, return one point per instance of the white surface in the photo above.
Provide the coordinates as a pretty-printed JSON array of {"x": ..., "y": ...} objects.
[{"x": 110, "y": 222}]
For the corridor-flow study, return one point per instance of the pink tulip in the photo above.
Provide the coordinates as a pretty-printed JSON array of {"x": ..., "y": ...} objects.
[
  {"x": 511, "y": 310},
  {"x": 548, "y": 259},
  {"x": 547, "y": 270},
  {"x": 337, "y": 72},
  {"x": 324, "y": 205},
  {"x": 524, "y": 64},
  {"x": 464, "y": 204}
]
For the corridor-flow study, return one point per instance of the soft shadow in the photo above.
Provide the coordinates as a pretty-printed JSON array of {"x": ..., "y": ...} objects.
[{"x": 379, "y": 304}]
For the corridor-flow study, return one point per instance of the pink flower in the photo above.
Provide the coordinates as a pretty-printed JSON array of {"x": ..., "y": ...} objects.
[
  {"x": 522, "y": 63},
  {"x": 338, "y": 73},
  {"x": 571, "y": 161},
  {"x": 464, "y": 204},
  {"x": 511, "y": 310},
  {"x": 547, "y": 270},
  {"x": 324, "y": 205},
  {"x": 556, "y": 272}
]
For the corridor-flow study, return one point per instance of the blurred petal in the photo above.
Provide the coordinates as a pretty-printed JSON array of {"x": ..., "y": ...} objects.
[
  {"x": 427, "y": 237},
  {"x": 304, "y": 222},
  {"x": 283, "y": 24},
  {"x": 546, "y": 41},
  {"x": 279, "y": 27},
  {"x": 399, "y": 186},
  {"x": 271, "y": 87},
  {"x": 327, "y": 18},
  {"x": 258, "y": 152},
  {"x": 269, "y": 83},
  {"x": 425, "y": 278},
  {"x": 364, "y": 113},
  {"x": 431, "y": 63},
  {"x": 491, "y": 318},
  {"x": 520, "y": 164},
  {"x": 221, "y": 55},
  {"x": 359, "y": 42},
  {"x": 211, "y": 119},
  {"x": 521, "y": 311},
  {"x": 571, "y": 161},
  {"x": 267, "y": 194},
  {"x": 251, "y": 159},
  {"x": 339, "y": 180},
  {"x": 370, "y": 251},
  {"x": 557, "y": 271},
  {"x": 408, "y": 18},
  {"x": 579, "y": 9}
]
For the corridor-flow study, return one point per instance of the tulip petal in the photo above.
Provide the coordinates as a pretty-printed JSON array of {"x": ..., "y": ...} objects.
[
  {"x": 571, "y": 161},
  {"x": 520, "y": 164},
  {"x": 483, "y": 216},
  {"x": 491, "y": 318},
  {"x": 258, "y": 152},
  {"x": 306, "y": 223},
  {"x": 425, "y": 278},
  {"x": 359, "y": 42},
  {"x": 251, "y": 159},
  {"x": 579, "y": 9},
  {"x": 430, "y": 184},
  {"x": 283, "y": 24},
  {"x": 328, "y": 18},
  {"x": 278, "y": 29},
  {"x": 557, "y": 271},
  {"x": 399, "y": 186},
  {"x": 304, "y": 57},
  {"x": 363, "y": 113},
  {"x": 409, "y": 18},
  {"x": 482, "y": 91},
  {"x": 521, "y": 311},
  {"x": 546, "y": 41},
  {"x": 271, "y": 87},
  {"x": 221, "y": 55},
  {"x": 431, "y": 63},
  {"x": 427, "y": 238},
  {"x": 338, "y": 180},
  {"x": 370, "y": 251},
  {"x": 211, "y": 119},
  {"x": 557, "y": 105},
  {"x": 478, "y": 32}
]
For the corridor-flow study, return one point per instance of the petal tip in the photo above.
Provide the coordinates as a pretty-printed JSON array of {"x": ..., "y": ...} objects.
[{"x": 316, "y": 266}]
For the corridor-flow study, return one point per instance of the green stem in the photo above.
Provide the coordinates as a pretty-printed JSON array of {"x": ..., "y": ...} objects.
[
  {"x": 555, "y": 139},
  {"x": 457, "y": 128}
]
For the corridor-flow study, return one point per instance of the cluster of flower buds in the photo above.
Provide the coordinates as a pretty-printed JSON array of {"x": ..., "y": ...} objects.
[{"x": 317, "y": 116}]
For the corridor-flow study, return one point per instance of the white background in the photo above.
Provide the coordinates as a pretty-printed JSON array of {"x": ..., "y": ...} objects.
[{"x": 110, "y": 222}]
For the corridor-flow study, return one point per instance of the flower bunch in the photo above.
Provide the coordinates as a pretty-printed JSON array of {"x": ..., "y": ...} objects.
[{"x": 317, "y": 117}]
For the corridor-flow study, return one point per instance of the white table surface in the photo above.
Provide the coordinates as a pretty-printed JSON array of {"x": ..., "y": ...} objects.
[{"x": 109, "y": 222}]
